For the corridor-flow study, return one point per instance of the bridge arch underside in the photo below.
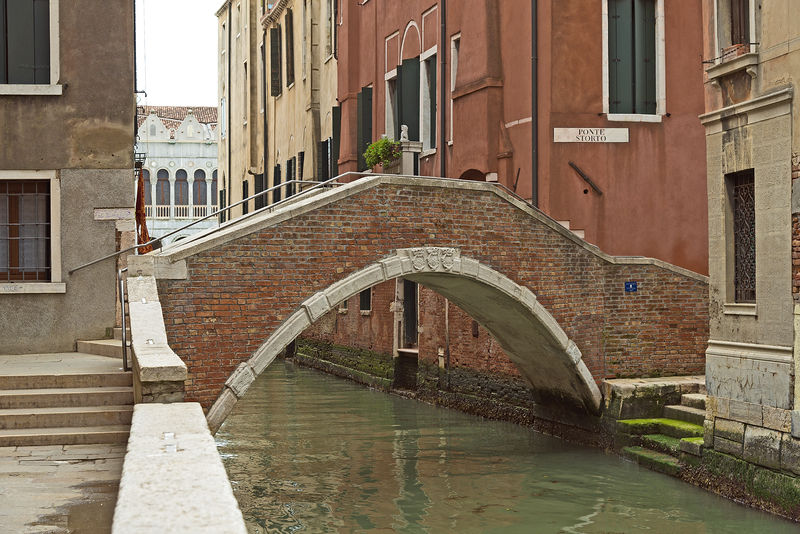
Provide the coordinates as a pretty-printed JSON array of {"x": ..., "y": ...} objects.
[{"x": 525, "y": 330}]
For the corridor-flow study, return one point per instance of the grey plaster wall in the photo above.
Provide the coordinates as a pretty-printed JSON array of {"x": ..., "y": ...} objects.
[{"x": 53, "y": 322}]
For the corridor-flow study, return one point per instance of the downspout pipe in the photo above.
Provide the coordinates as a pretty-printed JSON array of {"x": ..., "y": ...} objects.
[
  {"x": 534, "y": 108},
  {"x": 135, "y": 82},
  {"x": 230, "y": 106},
  {"x": 442, "y": 94},
  {"x": 265, "y": 182}
]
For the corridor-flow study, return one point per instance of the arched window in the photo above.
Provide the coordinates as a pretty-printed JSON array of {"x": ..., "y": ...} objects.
[
  {"x": 199, "y": 188},
  {"x": 148, "y": 193},
  {"x": 181, "y": 188},
  {"x": 162, "y": 188},
  {"x": 214, "y": 187}
]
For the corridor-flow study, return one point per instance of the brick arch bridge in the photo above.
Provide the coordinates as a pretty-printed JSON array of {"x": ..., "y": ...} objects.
[{"x": 232, "y": 299}]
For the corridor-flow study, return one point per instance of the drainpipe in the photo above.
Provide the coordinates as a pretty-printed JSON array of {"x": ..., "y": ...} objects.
[
  {"x": 534, "y": 109},
  {"x": 443, "y": 96},
  {"x": 230, "y": 109},
  {"x": 135, "y": 82},
  {"x": 265, "y": 180}
]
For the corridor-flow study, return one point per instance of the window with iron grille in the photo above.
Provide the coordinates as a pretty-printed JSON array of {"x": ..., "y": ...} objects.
[
  {"x": 742, "y": 190},
  {"x": 25, "y": 230},
  {"x": 365, "y": 300}
]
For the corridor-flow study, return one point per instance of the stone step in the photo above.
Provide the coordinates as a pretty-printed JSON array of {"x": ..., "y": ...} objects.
[
  {"x": 65, "y": 397},
  {"x": 111, "y": 348},
  {"x": 702, "y": 389},
  {"x": 693, "y": 446},
  {"x": 68, "y": 380},
  {"x": 75, "y": 416},
  {"x": 685, "y": 413},
  {"x": 64, "y": 436},
  {"x": 694, "y": 400},
  {"x": 668, "y": 427},
  {"x": 661, "y": 443},
  {"x": 657, "y": 461},
  {"x": 118, "y": 332}
]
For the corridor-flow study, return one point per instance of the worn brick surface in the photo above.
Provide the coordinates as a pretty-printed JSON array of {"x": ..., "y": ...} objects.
[{"x": 239, "y": 292}]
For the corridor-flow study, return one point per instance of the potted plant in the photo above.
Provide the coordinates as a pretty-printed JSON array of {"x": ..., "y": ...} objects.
[{"x": 385, "y": 152}]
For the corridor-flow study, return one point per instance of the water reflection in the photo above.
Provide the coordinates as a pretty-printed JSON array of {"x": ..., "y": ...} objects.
[{"x": 313, "y": 453}]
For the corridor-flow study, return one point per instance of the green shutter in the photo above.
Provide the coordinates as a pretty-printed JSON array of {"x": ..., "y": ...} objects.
[
  {"x": 408, "y": 96},
  {"x": 336, "y": 119},
  {"x": 21, "y": 51},
  {"x": 367, "y": 117},
  {"x": 275, "y": 61},
  {"x": 41, "y": 41},
  {"x": 645, "y": 68},
  {"x": 362, "y": 164},
  {"x": 276, "y": 180},
  {"x": 3, "y": 64},
  {"x": 620, "y": 56}
]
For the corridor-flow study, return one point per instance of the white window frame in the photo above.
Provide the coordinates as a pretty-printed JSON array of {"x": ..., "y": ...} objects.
[
  {"x": 54, "y": 87},
  {"x": 454, "y": 56},
  {"x": 55, "y": 285},
  {"x": 661, "y": 84},
  {"x": 717, "y": 50},
  {"x": 389, "y": 118},
  {"x": 425, "y": 102}
]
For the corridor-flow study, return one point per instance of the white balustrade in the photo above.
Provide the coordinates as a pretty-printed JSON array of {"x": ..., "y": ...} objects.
[
  {"x": 182, "y": 212},
  {"x": 201, "y": 211}
]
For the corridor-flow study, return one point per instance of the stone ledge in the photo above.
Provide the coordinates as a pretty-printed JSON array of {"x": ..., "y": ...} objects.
[{"x": 173, "y": 478}]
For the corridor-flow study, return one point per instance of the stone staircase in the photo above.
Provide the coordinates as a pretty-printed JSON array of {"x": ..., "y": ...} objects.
[
  {"x": 65, "y": 398},
  {"x": 668, "y": 443}
]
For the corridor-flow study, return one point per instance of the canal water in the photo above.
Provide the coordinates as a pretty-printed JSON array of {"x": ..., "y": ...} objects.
[{"x": 307, "y": 452}]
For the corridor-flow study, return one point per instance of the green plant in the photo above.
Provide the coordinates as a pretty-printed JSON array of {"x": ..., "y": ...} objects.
[{"x": 382, "y": 151}]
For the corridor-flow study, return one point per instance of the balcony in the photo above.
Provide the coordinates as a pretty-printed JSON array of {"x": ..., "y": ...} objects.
[{"x": 180, "y": 211}]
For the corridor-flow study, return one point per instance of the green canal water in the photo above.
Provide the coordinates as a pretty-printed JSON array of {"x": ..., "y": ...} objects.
[{"x": 307, "y": 452}]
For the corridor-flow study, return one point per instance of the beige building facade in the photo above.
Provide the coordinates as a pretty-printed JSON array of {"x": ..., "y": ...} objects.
[
  {"x": 752, "y": 122},
  {"x": 66, "y": 168},
  {"x": 302, "y": 111}
]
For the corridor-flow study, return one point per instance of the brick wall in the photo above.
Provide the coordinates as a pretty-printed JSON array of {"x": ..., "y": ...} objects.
[{"x": 238, "y": 292}]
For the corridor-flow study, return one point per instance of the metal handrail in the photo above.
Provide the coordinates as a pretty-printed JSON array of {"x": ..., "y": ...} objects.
[
  {"x": 330, "y": 181},
  {"x": 157, "y": 239},
  {"x": 121, "y": 282}
]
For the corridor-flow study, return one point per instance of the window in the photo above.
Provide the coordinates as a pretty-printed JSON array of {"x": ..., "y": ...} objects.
[
  {"x": 324, "y": 160},
  {"x": 301, "y": 157},
  {"x": 25, "y": 231},
  {"x": 162, "y": 188},
  {"x": 275, "y": 61},
  {"x": 222, "y": 212},
  {"x": 245, "y": 194},
  {"x": 276, "y": 180},
  {"x": 214, "y": 187},
  {"x": 428, "y": 118},
  {"x": 199, "y": 188},
  {"x": 408, "y": 108},
  {"x": 289, "y": 177},
  {"x": 288, "y": 20},
  {"x": 740, "y": 22},
  {"x": 455, "y": 49},
  {"x": 29, "y": 47},
  {"x": 260, "y": 201},
  {"x": 365, "y": 300},
  {"x": 245, "y": 100},
  {"x": 148, "y": 193},
  {"x": 181, "y": 188},
  {"x": 741, "y": 194},
  {"x": 364, "y": 129},
  {"x": 392, "y": 126},
  {"x": 222, "y": 121},
  {"x": 632, "y": 57}
]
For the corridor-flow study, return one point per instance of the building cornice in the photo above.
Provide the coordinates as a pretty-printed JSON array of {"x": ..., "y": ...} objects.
[
  {"x": 272, "y": 16},
  {"x": 225, "y": 5},
  {"x": 768, "y": 106}
]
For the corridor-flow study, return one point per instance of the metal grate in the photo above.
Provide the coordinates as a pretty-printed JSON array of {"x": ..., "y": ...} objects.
[
  {"x": 744, "y": 236},
  {"x": 24, "y": 230}
]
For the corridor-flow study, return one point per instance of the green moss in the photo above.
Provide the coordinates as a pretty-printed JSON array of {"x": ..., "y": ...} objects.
[
  {"x": 656, "y": 461},
  {"x": 661, "y": 443},
  {"x": 660, "y": 425},
  {"x": 362, "y": 360}
]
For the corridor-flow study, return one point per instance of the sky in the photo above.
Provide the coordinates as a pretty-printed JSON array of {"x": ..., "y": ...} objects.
[{"x": 176, "y": 52}]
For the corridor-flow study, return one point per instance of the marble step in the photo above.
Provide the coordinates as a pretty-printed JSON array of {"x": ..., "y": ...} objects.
[
  {"x": 64, "y": 435},
  {"x": 73, "y": 416},
  {"x": 111, "y": 348},
  {"x": 118, "y": 332},
  {"x": 685, "y": 413},
  {"x": 69, "y": 380},
  {"x": 661, "y": 443},
  {"x": 669, "y": 427},
  {"x": 66, "y": 397},
  {"x": 694, "y": 400}
]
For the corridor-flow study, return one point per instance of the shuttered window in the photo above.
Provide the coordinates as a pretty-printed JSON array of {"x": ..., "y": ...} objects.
[
  {"x": 408, "y": 97},
  {"x": 276, "y": 180},
  {"x": 364, "y": 133},
  {"x": 245, "y": 194},
  {"x": 336, "y": 119},
  {"x": 25, "y": 42},
  {"x": 323, "y": 160},
  {"x": 632, "y": 56},
  {"x": 275, "y": 61},
  {"x": 289, "y": 48},
  {"x": 259, "y": 187}
]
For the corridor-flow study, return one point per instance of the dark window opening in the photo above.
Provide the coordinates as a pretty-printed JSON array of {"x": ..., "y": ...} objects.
[
  {"x": 245, "y": 194},
  {"x": 25, "y": 230},
  {"x": 742, "y": 187},
  {"x": 276, "y": 181},
  {"x": 222, "y": 213},
  {"x": 289, "y": 48},
  {"x": 364, "y": 125},
  {"x": 199, "y": 188},
  {"x": 365, "y": 300},
  {"x": 259, "y": 187},
  {"x": 408, "y": 97},
  {"x": 410, "y": 314},
  {"x": 162, "y": 188},
  {"x": 181, "y": 188},
  {"x": 275, "y": 61},
  {"x": 740, "y": 22}
]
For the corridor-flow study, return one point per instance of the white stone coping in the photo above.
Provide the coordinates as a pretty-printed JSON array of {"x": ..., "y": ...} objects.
[
  {"x": 155, "y": 361},
  {"x": 712, "y": 119},
  {"x": 28, "y": 288},
  {"x": 260, "y": 220},
  {"x": 729, "y": 66},
  {"x": 173, "y": 479},
  {"x": 752, "y": 351}
]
